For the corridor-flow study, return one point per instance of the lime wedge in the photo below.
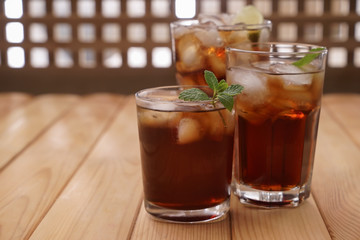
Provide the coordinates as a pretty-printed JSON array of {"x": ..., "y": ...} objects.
[{"x": 249, "y": 15}]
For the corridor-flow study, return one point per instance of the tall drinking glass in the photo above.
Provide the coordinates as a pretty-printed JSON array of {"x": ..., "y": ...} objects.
[
  {"x": 186, "y": 155},
  {"x": 277, "y": 118},
  {"x": 199, "y": 45}
]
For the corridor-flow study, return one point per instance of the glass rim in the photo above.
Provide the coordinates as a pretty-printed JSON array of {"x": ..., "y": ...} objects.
[
  {"x": 306, "y": 48},
  {"x": 162, "y": 104},
  {"x": 226, "y": 27}
]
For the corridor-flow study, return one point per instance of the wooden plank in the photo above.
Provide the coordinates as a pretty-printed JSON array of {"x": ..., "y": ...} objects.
[
  {"x": 336, "y": 178},
  {"x": 30, "y": 185},
  {"x": 12, "y": 100},
  {"x": 24, "y": 124},
  {"x": 103, "y": 198},
  {"x": 303, "y": 222},
  {"x": 148, "y": 228},
  {"x": 345, "y": 109}
]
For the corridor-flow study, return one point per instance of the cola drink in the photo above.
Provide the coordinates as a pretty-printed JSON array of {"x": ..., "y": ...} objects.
[
  {"x": 277, "y": 119},
  {"x": 199, "y": 45},
  {"x": 186, "y": 155}
]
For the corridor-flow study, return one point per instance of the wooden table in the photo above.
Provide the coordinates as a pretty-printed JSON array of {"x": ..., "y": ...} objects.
[{"x": 70, "y": 169}]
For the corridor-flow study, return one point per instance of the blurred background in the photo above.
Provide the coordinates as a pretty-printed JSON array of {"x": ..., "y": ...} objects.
[{"x": 121, "y": 46}]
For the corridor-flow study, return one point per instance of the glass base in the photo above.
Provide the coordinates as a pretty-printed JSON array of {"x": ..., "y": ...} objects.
[
  {"x": 215, "y": 213},
  {"x": 271, "y": 199}
]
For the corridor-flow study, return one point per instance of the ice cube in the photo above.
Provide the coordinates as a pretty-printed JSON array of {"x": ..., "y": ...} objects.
[
  {"x": 227, "y": 18},
  {"x": 209, "y": 37},
  {"x": 284, "y": 97},
  {"x": 218, "y": 19},
  {"x": 213, "y": 125},
  {"x": 189, "y": 51},
  {"x": 261, "y": 65},
  {"x": 291, "y": 100},
  {"x": 156, "y": 118},
  {"x": 293, "y": 77},
  {"x": 217, "y": 65},
  {"x": 180, "y": 31},
  {"x": 215, "y": 20},
  {"x": 189, "y": 131},
  {"x": 255, "y": 89},
  {"x": 233, "y": 37},
  {"x": 253, "y": 117}
]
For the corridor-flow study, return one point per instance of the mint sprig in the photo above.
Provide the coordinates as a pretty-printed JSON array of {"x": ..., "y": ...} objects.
[
  {"x": 193, "y": 94},
  {"x": 308, "y": 58},
  {"x": 222, "y": 92}
]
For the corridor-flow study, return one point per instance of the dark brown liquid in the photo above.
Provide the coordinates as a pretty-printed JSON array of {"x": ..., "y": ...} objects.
[
  {"x": 277, "y": 153},
  {"x": 195, "y": 175}
]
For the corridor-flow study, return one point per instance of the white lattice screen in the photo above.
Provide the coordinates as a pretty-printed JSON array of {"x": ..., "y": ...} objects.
[{"x": 124, "y": 45}]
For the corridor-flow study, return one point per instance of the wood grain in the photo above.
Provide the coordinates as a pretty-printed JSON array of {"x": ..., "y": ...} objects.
[
  {"x": 345, "y": 109},
  {"x": 12, "y": 100},
  {"x": 336, "y": 177},
  {"x": 22, "y": 125},
  {"x": 32, "y": 182},
  {"x": 303, "y": 222},
  {"x": 71, "y": 170},
  {"x": 103, "y": 198}
]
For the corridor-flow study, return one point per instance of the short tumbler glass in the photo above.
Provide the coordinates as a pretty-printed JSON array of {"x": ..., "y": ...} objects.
[
  {"x": 277, "y": 118},
  {"x": 199, "y": 44},
  {"x": 186, "y": 155}
]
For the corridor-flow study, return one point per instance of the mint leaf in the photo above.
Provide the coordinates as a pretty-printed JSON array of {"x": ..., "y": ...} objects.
[
  {"x": 308, "y": 58},
  {"x": 222, "y": 86},
  {"x": 226, "y": 100},
  {"x": 193, "y": 94},
  {"x": 222, "y": 92},
  {"x": 233, "y": 90},
  {"x": 211, "y": 80}
]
